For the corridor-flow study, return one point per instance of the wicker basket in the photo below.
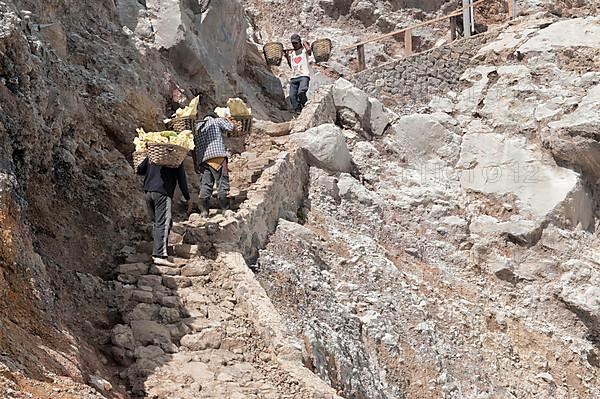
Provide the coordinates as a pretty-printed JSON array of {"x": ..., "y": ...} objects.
[
  {"x": 167, "y": 155},
  {"x": 273, "y": 53},
  {"x": 181, "y": 124},
  {"x": 138, "y": 157},
  {"x": 321, "y": 50},
  {"x": 243, "y": 123}
]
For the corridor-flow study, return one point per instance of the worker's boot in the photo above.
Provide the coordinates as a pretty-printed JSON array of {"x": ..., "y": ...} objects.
[
  {"x": 223, "y": 204},
  {"x": 204, "y": 207}
]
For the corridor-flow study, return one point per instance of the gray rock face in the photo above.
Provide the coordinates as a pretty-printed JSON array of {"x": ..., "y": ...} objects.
[
  {"x": 564, "y": 34},
  {"x": 326, "y": 148},
  {"x": 575, "y": 134},
  {"x": 131, "y": 13},
  {"x": 508, "y": 165}
]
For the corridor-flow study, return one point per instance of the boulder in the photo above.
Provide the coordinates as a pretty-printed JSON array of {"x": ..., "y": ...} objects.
[
  {"x": 149, "y": 332},
  {"x": 100, "y": 384},
  {"x": 422, "y": 137},
  {"x": 326, "y": 148},
  {"x": 498, "y": 165},
  {"x": 199, "y": 267},
  {"x": 503, "y": 269},
  {"x": 122, "y": 336},
  {"x": 380, "y": 118},
  {"x": 133, "y": 269},
  {"x": 318, "y": 111},
  {"x": 209, "y": 338},
  {"x": 142, "y": 311},
  {"x": 579, "y": 289},
  {"x": 346, "y": 95},
  {"x": 374, "y": 118},
  {"x": 268, "y": 128},
  {"x": 148, "y": 352},
  {"x": 364, "y": 11},
  {"x": 521, "y": 231},
  {"x": 328, "y": 186}
]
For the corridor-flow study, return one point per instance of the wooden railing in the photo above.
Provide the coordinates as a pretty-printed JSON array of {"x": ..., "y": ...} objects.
[{"x": 360, "y": 47}]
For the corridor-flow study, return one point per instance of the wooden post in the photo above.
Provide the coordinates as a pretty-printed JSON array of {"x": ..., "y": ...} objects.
[
  {"x": 511, "y": 9},
  {"x": 362, "y": 64},
  {"x": 408, "y": 42},
  {"x": 467, "y": 29},
  {"x": 452, "y": 28}
]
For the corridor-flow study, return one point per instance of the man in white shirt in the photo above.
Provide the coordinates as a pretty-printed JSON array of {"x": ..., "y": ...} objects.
[{"x": 298, "y": 60}]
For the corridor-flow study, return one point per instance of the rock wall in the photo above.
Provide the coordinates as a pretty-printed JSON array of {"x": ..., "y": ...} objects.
[
  {"x": 412, "y": 82},
  {"x": 76, "y": 79}
]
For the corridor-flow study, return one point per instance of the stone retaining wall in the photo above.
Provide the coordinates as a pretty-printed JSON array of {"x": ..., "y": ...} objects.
[
  {"x": 410, "y": 83},
  {"x": 278, "y": 193}
]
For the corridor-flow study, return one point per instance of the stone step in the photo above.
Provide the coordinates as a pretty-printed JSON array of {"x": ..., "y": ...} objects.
[
  {"x": 133, "y": 269},
  {"x": 176, "y": 282},
  {"x": 138, "y": 258},
  {"x": 186, "y": 251},
  {"x": 164, "y": 270}
]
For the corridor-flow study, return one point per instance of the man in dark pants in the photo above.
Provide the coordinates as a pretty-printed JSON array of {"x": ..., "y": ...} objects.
[
  {"x": 298, "y": 61},
  {"x": 210, "y": 160},
  {"x": 159, "y": 187}
]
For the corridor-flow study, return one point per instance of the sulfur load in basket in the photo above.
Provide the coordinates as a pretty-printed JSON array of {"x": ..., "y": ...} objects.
[
  {"x": 167, "y": 148},
  {"x": 321, "y": 50},
  {"x": 138, "y": 157},
  {"x": 243, "y": 123},
  {"x": 240, "y": 113},
  {"x": 184, "y": 118},
  {"x": 181, "y": 124},
  {"x": 168, "y": 155},
  {"x": 273, "y": 53}
]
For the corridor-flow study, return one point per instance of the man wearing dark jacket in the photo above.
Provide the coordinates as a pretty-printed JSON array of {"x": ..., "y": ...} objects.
[{"x": 159, "y": 187}]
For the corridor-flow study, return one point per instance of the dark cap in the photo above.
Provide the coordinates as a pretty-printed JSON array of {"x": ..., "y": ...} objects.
[{"x": 296, "y": 38}]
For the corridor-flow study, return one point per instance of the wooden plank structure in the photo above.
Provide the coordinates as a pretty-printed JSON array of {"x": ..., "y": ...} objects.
[
  {"x": 468, "y": 25},
  {"x": 362, "y": 63},
  {"x": 408, "y": 42}
]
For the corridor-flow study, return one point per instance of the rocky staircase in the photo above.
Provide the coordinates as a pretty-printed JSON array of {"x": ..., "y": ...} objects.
[
  {"x": 205, "y": 328},
  {"x": 185, "y": 334}
]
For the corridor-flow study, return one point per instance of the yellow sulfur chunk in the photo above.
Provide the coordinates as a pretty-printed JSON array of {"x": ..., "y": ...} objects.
[{"x": 238, "y": 107}]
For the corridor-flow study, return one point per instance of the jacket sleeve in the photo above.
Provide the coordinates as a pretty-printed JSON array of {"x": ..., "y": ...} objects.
[
  {"x": 142, "y": 167},
  {"x": 225, "y": 125},
  {"x": 181, "y": 179}
]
